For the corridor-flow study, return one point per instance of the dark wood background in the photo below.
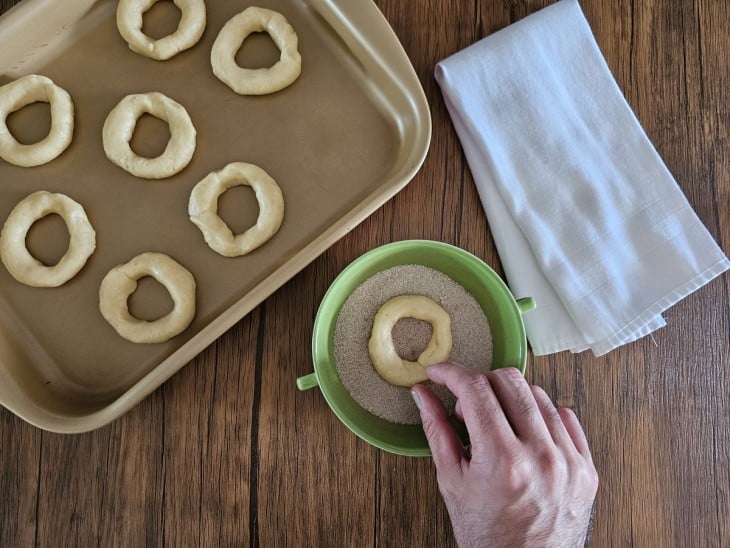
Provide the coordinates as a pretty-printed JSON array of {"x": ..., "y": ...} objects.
[{"x": 228, "y": 452}]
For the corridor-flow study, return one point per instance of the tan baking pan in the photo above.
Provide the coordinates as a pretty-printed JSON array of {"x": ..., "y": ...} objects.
[{"x": 343, "y": 139}]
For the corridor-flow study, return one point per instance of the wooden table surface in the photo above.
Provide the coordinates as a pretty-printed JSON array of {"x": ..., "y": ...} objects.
[{"x": 229, "y": 453}]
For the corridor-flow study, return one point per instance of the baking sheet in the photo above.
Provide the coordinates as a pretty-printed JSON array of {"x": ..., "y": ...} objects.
[{"x": 340, "y": 141}]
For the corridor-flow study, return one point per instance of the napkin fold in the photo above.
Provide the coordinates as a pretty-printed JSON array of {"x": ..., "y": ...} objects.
[{"x": 586, "y": 217}]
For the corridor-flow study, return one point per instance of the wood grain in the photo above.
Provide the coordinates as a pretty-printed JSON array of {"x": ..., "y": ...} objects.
[{"x": 229, "y": 453}]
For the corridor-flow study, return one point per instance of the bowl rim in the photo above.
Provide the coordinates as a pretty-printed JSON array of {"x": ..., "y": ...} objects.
[{"x": 384, "y": 249}]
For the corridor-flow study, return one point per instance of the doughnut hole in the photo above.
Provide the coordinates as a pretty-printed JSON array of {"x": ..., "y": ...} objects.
[
  {"x": 238, "y": 208},
  {"x": 30, "y": 124},
  {"x": 48, "y": 239},
  {"x": 150, "y": 301},
  {"x": 161, "y": 20},
  {"x": 150, "y": 136},
  {"x": 411, "y": 337},
  {"x": 257, "y": 51}
]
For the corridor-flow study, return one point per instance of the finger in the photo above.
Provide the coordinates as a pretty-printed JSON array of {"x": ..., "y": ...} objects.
[
  {"x": 552, "y": 418},
  {"x": 518, "y": 403},
  {"x": 457, "y": 411},
  {"x": 446, "y": 447},
  {"x": 482, "y": 413},
  {"x": 575, "y": 431}
]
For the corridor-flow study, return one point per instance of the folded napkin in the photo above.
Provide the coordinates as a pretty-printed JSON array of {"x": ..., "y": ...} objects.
[{"x": 586, "y": 217}]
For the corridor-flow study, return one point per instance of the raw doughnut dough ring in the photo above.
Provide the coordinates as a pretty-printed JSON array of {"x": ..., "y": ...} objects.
[
  {"x": 188, "y": 33},
  {"x": 203, "y": 207},
  {"x": 21, "y": 264},
  {"x": 119, "y": 128},
  {"x": 120, "y": 283},
  {"x": 23, "y": 92},
  {"x": 256, "y": 81},
  {"x": 383, "y": 354}
]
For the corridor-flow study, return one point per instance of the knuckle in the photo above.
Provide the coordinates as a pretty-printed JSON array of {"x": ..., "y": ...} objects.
[
  {"x": 547, "y": 459},
  {"x": 487, "y": 418},
  {"x": 478, "y": 384},
  {"x": 430, "y": 429},
  {"x": 512, "y": 380},
  {"x": 590, "y": 477},
  {"x": 526, "y": 403},
  {"x": 552, "y": 415},
  {"x": 516, "y": 479},
  {"x": 552, "y": 464},
  {"x": 583, "y": 475},
  {"x": 553, "y": 468}
]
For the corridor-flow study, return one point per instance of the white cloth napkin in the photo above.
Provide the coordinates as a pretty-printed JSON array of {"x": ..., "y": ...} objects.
[{"x": 586, "y": 217}]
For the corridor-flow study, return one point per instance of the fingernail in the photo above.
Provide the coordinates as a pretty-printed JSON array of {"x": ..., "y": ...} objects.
[{"x": 417, "y": 399}]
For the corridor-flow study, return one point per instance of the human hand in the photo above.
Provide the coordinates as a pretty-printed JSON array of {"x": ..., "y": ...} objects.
[{"x": 529, "y": 479}]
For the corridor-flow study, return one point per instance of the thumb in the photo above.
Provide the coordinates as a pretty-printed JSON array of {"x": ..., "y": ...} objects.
[{"x": 446, "y": 447}]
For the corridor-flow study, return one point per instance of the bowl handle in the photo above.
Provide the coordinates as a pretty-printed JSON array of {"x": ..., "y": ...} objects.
[
  {"x": 307, "y": 381},
  {"x": 526, "y": 304}
]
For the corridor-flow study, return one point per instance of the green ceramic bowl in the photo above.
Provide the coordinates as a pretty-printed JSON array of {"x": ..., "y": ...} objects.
[{"x": 502, "y": 310}]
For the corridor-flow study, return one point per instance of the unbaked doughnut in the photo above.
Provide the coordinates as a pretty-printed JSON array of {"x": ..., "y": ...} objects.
[
  {"x": 119, "y": 128},
  {"x": 120, "y": 283},
  {"x": 189, "y": 31},
  {"x": 256, "y": 81},
  {"x": 203, "y": 208},
  {"x": 21, "y": 264},
  {"x": 23, "y": 92},
  {"x": 383, "y": 354}
]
